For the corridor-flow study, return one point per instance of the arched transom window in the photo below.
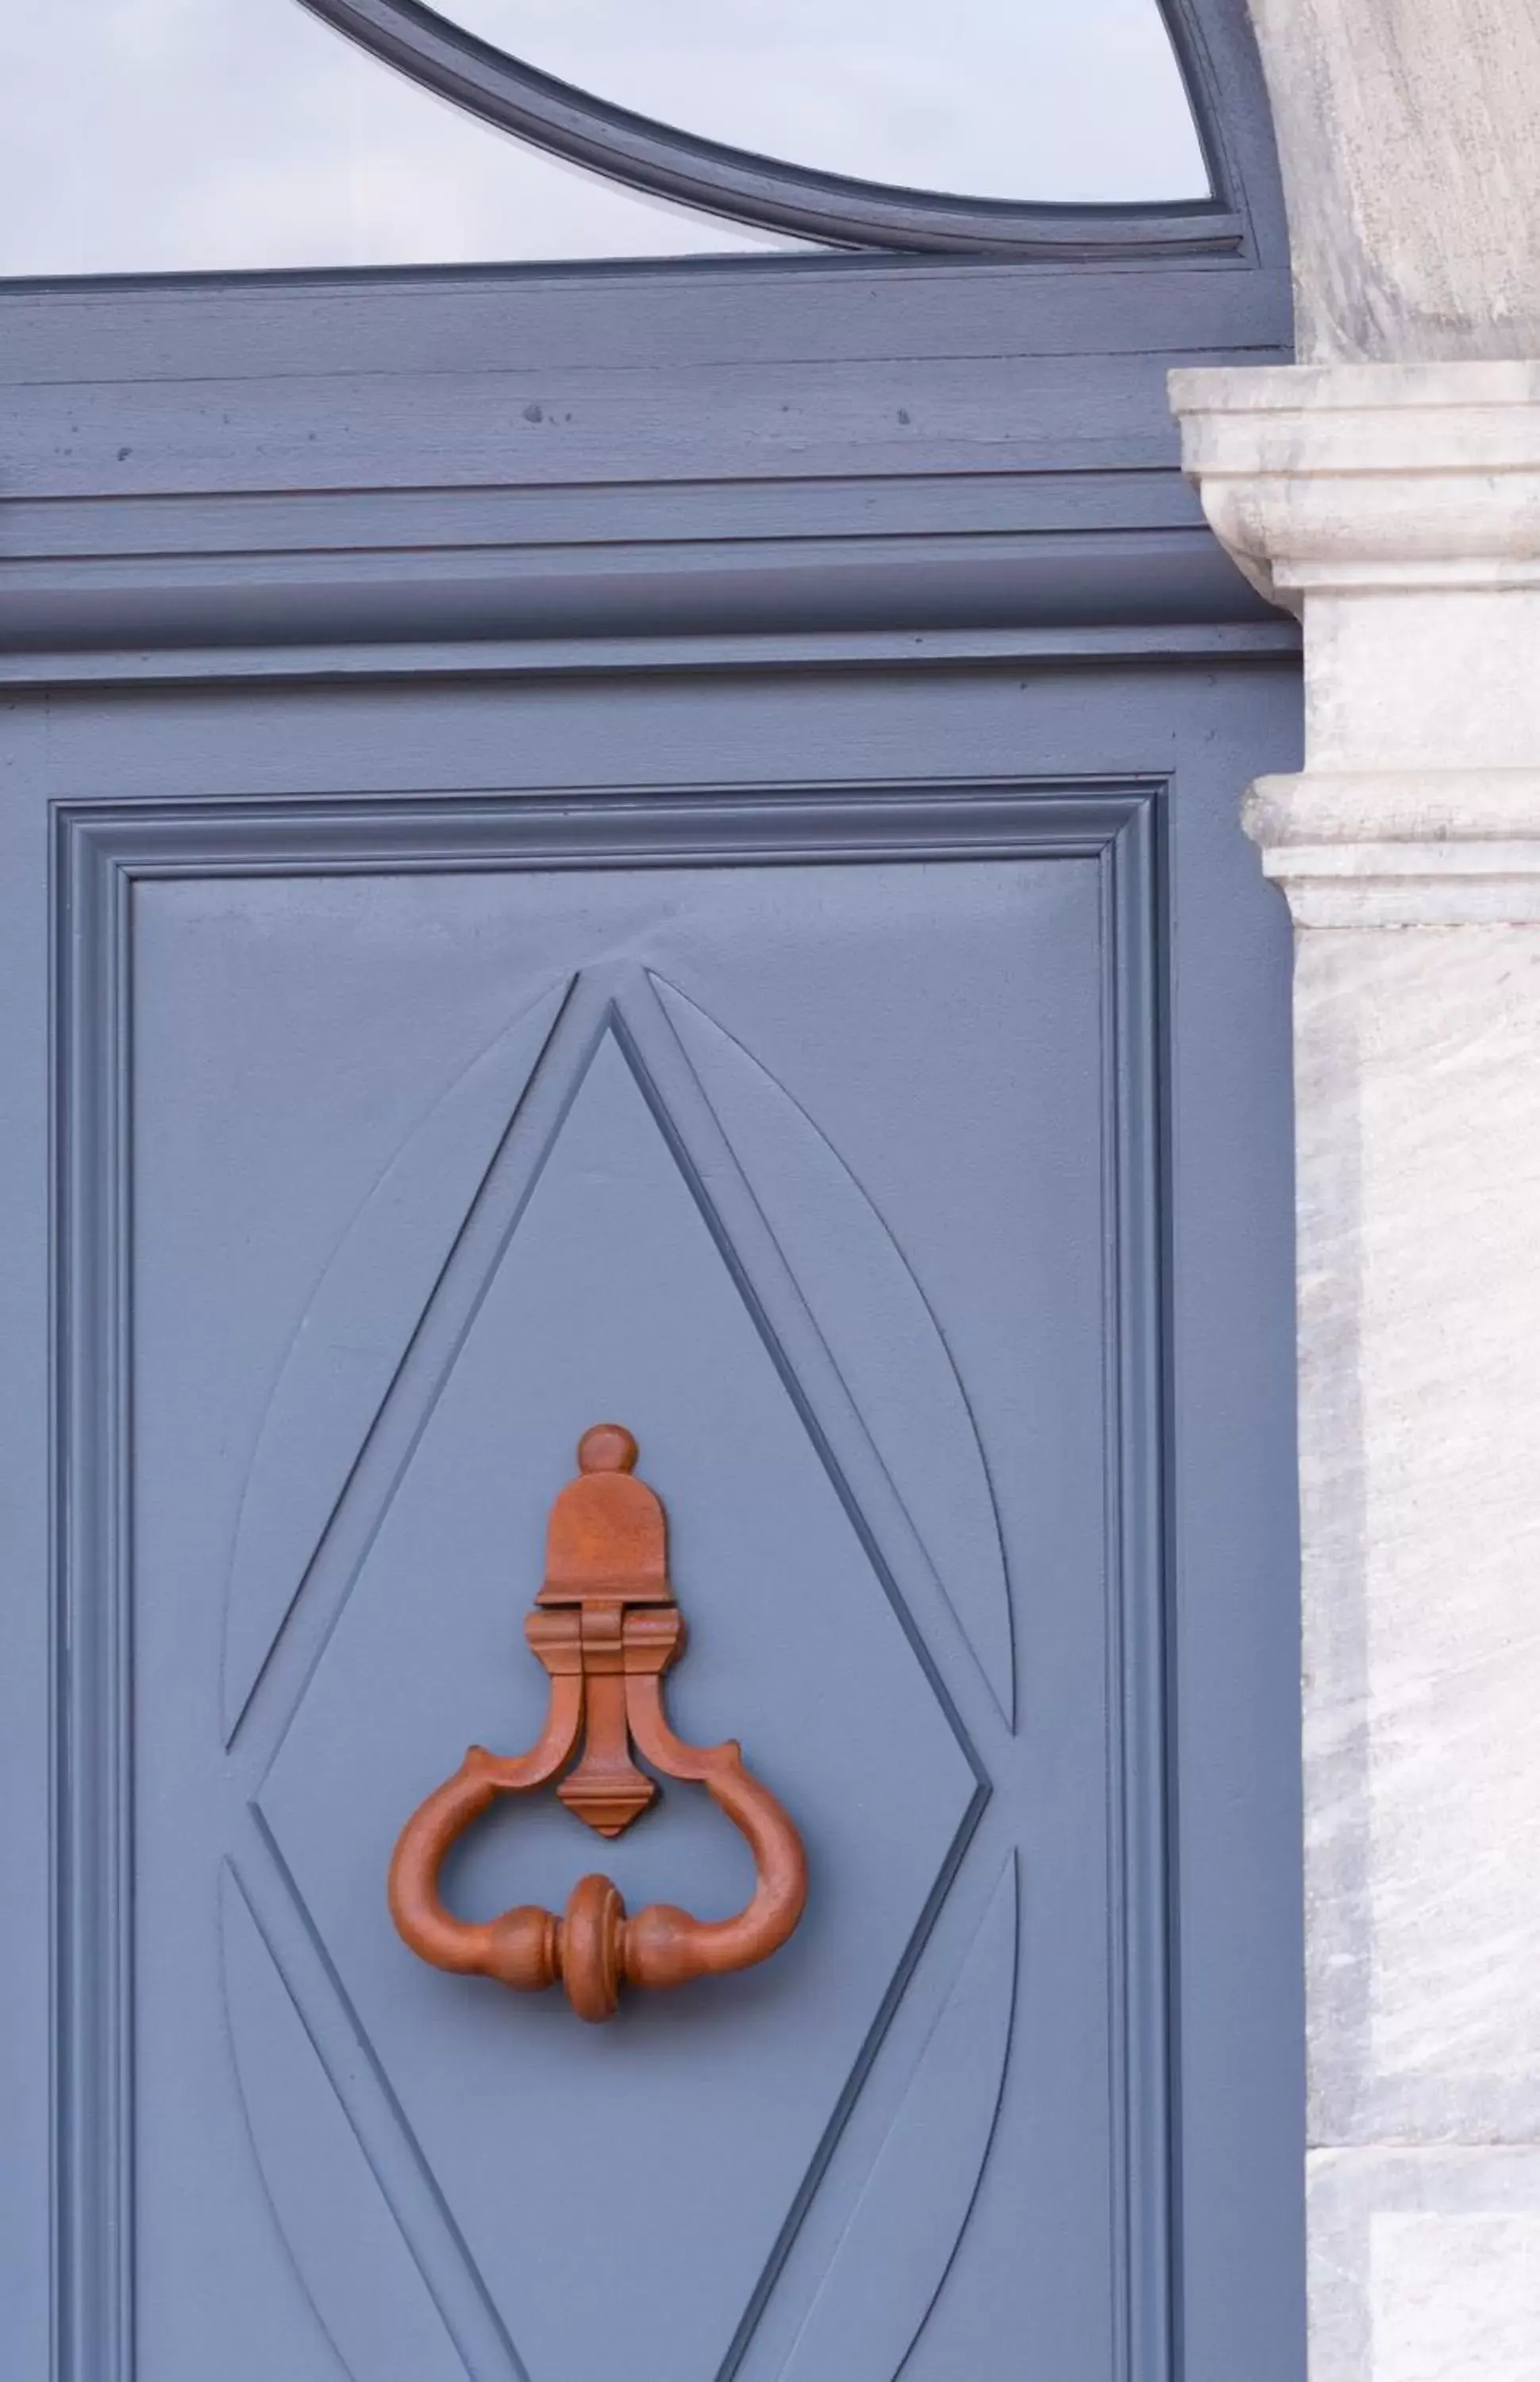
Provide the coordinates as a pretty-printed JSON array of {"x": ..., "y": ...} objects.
[{"x": 169, "y": 135}]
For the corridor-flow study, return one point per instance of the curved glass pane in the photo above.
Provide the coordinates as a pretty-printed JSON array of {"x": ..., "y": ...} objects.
[
  {"x": 1029, "y": 100},
  {"x": 157, "y": 135}
]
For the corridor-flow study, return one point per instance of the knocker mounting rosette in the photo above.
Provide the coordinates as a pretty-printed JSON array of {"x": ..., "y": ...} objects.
[{"x": 606, "y": 1627}]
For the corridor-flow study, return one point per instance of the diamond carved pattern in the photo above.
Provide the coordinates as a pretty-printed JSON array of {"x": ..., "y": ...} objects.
[{"x": 595, "y": 1274}]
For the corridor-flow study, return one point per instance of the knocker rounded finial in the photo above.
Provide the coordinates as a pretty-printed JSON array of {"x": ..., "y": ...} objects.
[
  {"x": 608, "y": 1447},
  {"x": 606, "y": 1627}
]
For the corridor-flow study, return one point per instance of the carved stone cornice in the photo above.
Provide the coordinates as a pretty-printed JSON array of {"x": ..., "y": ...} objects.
[{"x": 1397, "y": 509}]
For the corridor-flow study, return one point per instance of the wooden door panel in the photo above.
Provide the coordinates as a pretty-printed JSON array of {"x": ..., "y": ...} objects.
[
  {"x": 817, "y": 1132},
  {"x": 630, "y": 1198}
]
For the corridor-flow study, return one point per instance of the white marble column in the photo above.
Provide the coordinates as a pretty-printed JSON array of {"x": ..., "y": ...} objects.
[{"x": 1398, "y": 508}]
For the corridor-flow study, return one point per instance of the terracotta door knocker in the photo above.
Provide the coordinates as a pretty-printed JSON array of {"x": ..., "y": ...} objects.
[{"x": 606, "y": 1627}]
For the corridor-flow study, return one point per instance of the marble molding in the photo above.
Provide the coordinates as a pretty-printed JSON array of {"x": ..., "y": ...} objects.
[{"x": 1398, "y": 509}]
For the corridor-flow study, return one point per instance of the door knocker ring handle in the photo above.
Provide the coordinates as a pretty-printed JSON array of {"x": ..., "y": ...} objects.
[{"x": 606, "y": 1627}]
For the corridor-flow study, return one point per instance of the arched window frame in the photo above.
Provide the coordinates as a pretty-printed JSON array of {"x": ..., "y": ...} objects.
[{"x": 1240, "y": 218}]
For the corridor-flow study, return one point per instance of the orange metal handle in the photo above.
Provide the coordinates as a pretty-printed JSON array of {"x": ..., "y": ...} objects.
[{"x": 605, "y": 1627}]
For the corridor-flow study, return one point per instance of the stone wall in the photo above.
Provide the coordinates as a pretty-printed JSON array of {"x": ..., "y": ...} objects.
[{"x": 1388, "y": 489}]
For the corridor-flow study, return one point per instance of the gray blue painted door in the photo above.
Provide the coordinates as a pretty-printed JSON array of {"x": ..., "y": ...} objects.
[
  {"x": 800, "y": 1170},
  {"x": 724, "y": 1166},
  {"x": 658, "y": 843},
  {"x": 903, "y": 1158}
]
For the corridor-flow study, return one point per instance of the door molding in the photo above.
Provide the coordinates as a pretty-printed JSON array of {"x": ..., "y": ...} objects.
[
  {"x": 860, "y": 460},
  {"x": 101, "y": 852}
]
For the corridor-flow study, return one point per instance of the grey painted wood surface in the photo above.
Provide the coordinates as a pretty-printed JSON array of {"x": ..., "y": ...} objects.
[
  {"x": 783, "y": 821},
  {"x": 975, "y": 1009},
  {"x": 426, "y": 471}
]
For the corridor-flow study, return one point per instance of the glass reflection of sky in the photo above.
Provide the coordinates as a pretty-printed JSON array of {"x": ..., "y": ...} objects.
[
  {"x": 167, "y": 135},
  {"x": 999, "y": 99}
]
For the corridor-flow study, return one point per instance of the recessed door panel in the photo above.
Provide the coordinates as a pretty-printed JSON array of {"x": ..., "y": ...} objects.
[{"x": 828, "y": 1180}]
